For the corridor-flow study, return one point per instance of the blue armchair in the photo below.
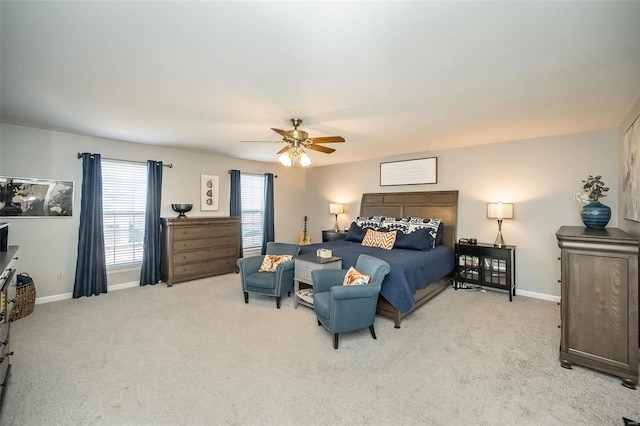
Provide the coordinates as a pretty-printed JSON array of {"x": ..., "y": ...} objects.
[
  {"x": 274, "y": 284},
  {"x": 346, "y": 308}
]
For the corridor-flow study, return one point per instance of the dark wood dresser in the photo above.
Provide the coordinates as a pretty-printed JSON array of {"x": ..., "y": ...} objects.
[
  {"x": 8, "y": 265},
  {"x": 195, "y": 248},
  {"x": 599, "y": 305}
]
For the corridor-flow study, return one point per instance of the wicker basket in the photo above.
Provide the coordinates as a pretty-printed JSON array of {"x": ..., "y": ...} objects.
[{"x": 25, "y": 300}]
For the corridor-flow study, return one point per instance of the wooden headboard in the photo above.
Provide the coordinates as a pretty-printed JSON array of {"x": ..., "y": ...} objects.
[{"x": 428, "y": 204}]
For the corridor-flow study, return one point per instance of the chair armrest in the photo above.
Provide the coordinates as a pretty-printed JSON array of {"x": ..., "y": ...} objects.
[
  {"x": 324, "y": 279},
  {"x": 286, "y": 266},
  {"x": 355, "y": 291},
  {"x": 249, "y": 265}
]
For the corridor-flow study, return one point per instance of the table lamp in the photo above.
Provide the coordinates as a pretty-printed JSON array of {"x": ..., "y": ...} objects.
[
  {"x": 336, "y": 209},
  {"x": 499, "y": 211}
]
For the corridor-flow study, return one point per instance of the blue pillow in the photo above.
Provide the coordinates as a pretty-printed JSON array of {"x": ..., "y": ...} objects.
[
  {"x": 356, "y": 233},
  {"x": 420, "y": 239}
]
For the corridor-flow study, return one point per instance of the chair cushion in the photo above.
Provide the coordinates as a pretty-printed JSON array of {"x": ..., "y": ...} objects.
[
  {"x": 354, "y": 277},
  {"x": 379, "y": 239},
  {"x": 271, "y": 261},
  {"x": 261, "y": 280}
]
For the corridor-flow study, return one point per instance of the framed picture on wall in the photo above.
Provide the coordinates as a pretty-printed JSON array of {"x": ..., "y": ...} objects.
[
  {"x": 209, "y": 192},
  {"x": 409, "y": 172},
  {"x": 30, "y": 197},
  {"x": 631, "y": 177}
]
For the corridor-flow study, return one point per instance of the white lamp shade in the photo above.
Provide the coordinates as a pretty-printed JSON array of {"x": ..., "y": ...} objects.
[
  {"x": 285, "y": 160},
  {"x": 305, "y": 160},
  {"x": 336, "y": 208},
  {"x": 500, "y": 210}
]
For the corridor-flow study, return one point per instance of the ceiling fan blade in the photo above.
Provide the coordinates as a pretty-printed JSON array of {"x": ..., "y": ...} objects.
[
  {"x": 263, "y": 141},
  {"x": 285, "y": 149},
  {"x": 283, "y": 133},
  {"x": 327, "y": 139},
  {"x": 321, "y": 148}
]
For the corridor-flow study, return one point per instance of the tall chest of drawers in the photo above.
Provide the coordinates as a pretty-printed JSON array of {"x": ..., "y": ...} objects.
[
  {"x": 8, "y": 265},
  {"x": 195, "y": 248},
  {"x": 599, "y": 305}
]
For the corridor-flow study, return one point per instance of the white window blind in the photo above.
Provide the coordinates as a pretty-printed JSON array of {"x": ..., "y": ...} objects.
[
  {"x": 124, "y": 198},
  {"x": 252, "y": 199}
]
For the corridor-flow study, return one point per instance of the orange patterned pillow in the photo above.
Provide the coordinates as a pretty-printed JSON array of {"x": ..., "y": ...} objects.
[
  {"x": 380, "y": 239},
  {"x": 271, "y": 262},
  {"x": 354, "y": 277}
]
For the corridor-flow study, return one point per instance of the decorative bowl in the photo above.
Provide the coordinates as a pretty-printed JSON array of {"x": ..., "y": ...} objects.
[{"x": 182, "y": 209}]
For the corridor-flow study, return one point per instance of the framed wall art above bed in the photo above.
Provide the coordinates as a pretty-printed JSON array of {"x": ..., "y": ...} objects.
[{"x": 409, "y": 172}]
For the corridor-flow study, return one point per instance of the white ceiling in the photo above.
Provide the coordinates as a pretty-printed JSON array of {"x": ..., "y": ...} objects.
[{"x": 391, "y": 77}]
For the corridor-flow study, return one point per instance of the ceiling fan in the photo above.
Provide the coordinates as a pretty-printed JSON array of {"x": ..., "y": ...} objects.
[{"x": 298, "y": 140}]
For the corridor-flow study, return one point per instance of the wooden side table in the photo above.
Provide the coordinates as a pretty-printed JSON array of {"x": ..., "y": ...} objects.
[{"x": 303, "y": 266}]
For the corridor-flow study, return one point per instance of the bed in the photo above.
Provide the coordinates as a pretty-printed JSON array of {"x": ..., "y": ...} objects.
[{"x": 415, "y": 276}]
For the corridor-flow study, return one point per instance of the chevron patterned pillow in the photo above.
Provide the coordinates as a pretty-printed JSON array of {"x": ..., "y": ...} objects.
[{"x": 379, "y": 239}]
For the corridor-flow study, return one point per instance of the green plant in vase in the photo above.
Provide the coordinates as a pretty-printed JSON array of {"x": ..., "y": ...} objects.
[{"x": 594, "y": 214}]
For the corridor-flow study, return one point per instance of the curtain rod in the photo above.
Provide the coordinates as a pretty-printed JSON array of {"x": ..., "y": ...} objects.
[
  {"x": 256, "y": 174},
  {"x": 169, "y": 165}
]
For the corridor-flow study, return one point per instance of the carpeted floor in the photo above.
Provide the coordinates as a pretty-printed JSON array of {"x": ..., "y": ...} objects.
[{"x": 195, "y": 354}]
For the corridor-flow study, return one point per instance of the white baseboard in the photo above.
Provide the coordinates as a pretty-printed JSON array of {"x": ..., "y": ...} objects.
[
  {"x": 114, "y": 287},
  {"x": 64, "y": 296},
  {"x": 535, "y": 295}
]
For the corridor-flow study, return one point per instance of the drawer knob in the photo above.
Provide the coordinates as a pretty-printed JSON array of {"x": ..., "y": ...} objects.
[{"x": 6, "y": 342}]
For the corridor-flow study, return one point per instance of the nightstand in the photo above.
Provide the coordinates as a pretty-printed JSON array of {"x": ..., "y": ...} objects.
[
  {"x": 486, "y": 265},
  {"x": 304, "y": 264},
  {"x": 332, "y": 235}
]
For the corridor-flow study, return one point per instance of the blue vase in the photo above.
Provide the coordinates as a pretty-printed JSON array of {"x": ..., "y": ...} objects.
[{"x": 595, "y": 215}]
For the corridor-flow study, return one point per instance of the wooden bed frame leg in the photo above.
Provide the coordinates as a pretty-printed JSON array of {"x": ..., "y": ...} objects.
[{"x": 397, "y": 318}]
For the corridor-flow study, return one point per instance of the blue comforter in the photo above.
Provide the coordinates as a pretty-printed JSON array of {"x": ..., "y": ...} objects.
[{"x": 411, "y": 270}]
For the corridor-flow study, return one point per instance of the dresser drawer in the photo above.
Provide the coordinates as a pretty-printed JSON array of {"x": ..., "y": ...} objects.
[
  {"x": 182, "y": 245},
  {"x": 191, "y": 232},
  {"x": 302, "y": 274},
  {"x": 208, "y": 254},
  {"x": 303, "y": 267},
  {"x": 217, "y": 265}
]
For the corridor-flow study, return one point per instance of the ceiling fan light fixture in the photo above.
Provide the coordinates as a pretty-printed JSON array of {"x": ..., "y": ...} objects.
[
  {"x": 305, "y": 161},
  {"x": 285, "y": 159}
]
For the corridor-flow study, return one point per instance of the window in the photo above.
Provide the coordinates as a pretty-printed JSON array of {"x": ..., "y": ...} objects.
[
  {"x": 252, "y": 199},
  {"x": 124, "y": 200}
]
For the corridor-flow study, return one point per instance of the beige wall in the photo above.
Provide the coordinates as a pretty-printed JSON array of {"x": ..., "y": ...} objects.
[
  {"x": 538, "y": 175},
  {"x": 630, "y": 226},
  {"x": 49, "y": 245}
]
